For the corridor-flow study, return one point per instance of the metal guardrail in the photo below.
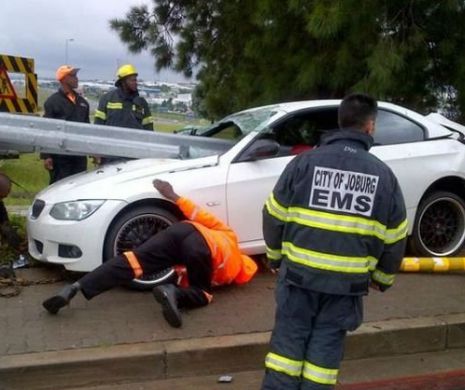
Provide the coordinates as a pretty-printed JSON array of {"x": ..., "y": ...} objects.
[{"x": 33, "y": 134}]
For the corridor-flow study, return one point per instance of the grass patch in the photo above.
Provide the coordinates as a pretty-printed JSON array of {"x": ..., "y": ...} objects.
[
  {"x": 168, "y": 127},
  {"x": 28, "y": 171}
]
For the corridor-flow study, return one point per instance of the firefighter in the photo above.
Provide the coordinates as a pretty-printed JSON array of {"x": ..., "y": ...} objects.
[
  {"x": 206, "y": 246},
  {"x": 334, "y": 225},
  {"x": 123, "y": 107},
  {"x": 68, "y": 105}
]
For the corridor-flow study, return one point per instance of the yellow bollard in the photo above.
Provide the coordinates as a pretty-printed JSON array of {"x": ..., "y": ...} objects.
[{"x": 432, "y": 264}]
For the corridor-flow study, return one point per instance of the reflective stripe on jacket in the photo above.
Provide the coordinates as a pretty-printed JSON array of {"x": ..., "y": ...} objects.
[
  {"x": 229, "y": 264},
  {"x": 117, "y": 108},
  {"x": 337, "y": 218}
]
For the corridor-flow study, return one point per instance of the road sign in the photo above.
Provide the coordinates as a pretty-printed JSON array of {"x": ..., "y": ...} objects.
[
  {"x": 26, "y": 102},
  {"x": 6, "y": 88}
]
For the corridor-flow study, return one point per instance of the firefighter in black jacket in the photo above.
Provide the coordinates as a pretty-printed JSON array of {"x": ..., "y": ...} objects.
[
  {"x": 123, "y": 107},
  {"x": 334, "y": 225},
  {"x": 68, "y": 105}
]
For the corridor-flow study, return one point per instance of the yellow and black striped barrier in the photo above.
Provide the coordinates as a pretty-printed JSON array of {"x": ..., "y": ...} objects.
[
  {"x": 432, "y": 264},
  {"x": 12, "y": 100}
]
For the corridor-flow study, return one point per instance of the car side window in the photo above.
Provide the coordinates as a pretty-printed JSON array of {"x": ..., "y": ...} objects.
[
  {"x": 392, "y": 129},
  {"x": 301, "y": 131}
]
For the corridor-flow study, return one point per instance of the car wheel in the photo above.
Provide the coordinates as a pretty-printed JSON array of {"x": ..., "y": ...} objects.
[
  {"x": 439, "y": 228},
  {"x": 133, "y": 228}
]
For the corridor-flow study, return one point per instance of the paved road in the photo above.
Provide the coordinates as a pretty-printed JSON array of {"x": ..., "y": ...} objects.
[
  {"x": 122, "y": 316},
  {"x": 425, "y": 371}
]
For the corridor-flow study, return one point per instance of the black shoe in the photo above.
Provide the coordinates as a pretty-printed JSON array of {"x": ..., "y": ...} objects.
[
  {"x": 166, "y": 296},
  {"x": 55, "y": 303}
]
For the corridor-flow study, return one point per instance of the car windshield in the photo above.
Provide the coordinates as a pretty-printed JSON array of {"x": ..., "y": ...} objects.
[
  {"x": 250, "y": 120},
  {"x": 228, "y": 131}
]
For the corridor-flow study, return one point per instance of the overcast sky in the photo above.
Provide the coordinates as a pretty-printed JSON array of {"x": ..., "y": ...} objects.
[{"x": 40, "y": 29}]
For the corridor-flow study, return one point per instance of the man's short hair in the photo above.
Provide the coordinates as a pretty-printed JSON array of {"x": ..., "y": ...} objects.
[{"x": 356, "y": 109}]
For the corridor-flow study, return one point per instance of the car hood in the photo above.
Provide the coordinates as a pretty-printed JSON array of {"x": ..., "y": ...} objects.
[{"x": 120, "y": 180}]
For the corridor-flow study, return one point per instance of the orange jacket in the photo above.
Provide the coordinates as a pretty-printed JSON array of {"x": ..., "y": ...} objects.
[{"x": 229, "y": 264}]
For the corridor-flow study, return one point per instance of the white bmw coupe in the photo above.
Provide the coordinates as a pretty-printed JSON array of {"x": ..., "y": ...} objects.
[{"x": 85, "y": 219}]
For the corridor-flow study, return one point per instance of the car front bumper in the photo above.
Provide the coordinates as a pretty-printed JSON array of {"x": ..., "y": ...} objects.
[{"x": 78, "y": 245}]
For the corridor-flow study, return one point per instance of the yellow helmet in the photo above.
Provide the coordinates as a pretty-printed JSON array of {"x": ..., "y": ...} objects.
[{"x": 125, "y": 71}]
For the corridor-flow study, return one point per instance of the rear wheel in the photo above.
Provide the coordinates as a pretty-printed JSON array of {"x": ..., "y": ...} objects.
[
  {"x": 439, "y": 228},
  {"x": 133, "y": 228}
]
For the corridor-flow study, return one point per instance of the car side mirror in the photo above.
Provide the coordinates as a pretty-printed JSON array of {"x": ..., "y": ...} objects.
[{"x": 260, "y": 149}]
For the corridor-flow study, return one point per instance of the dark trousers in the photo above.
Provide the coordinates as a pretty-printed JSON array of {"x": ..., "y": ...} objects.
[
  {"x": 307, "y": 342},
  {"x": 180, "y": 243},
  {"x": 64, "y": 166}
]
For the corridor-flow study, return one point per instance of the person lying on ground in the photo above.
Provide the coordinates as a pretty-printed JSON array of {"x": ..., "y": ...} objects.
[{"x": 203, "y": 244}]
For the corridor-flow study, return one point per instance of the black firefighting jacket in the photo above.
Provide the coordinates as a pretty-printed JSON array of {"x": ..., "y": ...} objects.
[
  {"x": 336, "y": 218},
  {"x": 58, "y": 106},
  {"x": 116, "y": 108}
]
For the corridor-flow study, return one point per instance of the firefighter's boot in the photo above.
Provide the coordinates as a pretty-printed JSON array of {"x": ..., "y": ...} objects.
[
  {"x": 167, "y": 296},
  {"x": 55, "y": 303}
]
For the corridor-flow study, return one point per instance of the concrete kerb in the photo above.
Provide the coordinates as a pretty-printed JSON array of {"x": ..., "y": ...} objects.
[{"x": 214, "y": 355}]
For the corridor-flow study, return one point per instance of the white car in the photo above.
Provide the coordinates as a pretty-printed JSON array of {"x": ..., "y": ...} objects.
[{"x": 87, "y": 218}]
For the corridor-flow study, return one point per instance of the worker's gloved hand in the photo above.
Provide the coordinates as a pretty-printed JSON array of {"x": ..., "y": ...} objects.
[
  {"x": 96, "y": 160},
  {"x": 165, "y": 189},
  {"x": 378, "y": 287},
  {"x": 48, "y": 164},
  {"x": 273, "y": 266},
  {"x": 10, "y": 235}
]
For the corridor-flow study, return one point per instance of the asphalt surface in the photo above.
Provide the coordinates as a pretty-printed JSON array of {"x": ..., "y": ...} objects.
[
  {"x": 421, "y": 313},
  {"x": 123, "y": 316}
]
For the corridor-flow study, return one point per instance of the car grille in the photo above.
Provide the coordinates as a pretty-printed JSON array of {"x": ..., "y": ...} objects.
[{"x": 37, "y": 208}]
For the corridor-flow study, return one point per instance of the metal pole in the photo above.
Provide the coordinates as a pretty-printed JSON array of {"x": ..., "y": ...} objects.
[{"x": 66, "y": 48}]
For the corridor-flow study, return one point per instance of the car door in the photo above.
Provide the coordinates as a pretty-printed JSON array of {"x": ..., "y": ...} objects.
[
  {"x": 399, "y": 142},
  {"x": 250, "y": 181}
]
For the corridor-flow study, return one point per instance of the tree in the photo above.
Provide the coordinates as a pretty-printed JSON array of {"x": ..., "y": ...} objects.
[{"x": 250, "y": 52}]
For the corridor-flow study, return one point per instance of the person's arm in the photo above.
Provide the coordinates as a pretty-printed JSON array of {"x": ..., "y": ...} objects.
[
  {"x": 147, "y": 120},
  {"x": 48, "y": 161},
  {"x": 275, "y": 215},
  {"x": 7, "y": 232},
  {"x": 49, "y": 112},
  {"x": 100, "y": 116},
  {"x": 87, "y": 111},
  {"x": 394, "y": 243},
  {"x": 192, "y": 211},
  {"x": 49, "y": 108},
  {"x": 3, "y": 213}
]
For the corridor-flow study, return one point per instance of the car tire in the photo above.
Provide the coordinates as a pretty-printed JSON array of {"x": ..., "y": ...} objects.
[
  {"x": 439, "y": 228},
  {"x": 130, "y": 230}
]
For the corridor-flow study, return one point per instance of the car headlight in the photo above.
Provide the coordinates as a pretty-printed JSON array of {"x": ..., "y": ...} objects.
[{"x": 76, "y": 210}]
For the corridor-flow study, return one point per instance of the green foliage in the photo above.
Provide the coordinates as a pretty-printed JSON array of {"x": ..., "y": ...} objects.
[
  {"x": 28, "y": 171},
  {"x": 250, "y": 52}
]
